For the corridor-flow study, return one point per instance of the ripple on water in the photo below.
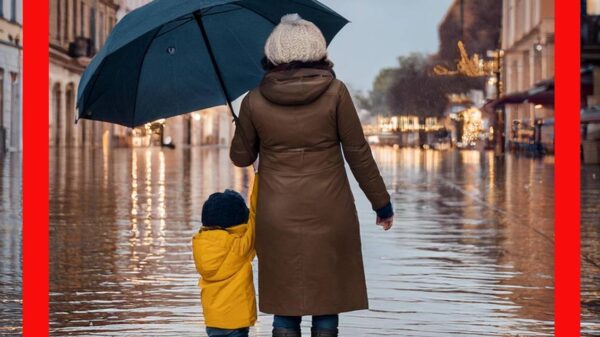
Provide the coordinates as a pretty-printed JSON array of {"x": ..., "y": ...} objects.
[
  {"x": 469, "y": 254},
  {"x": 10, "y": 244}
]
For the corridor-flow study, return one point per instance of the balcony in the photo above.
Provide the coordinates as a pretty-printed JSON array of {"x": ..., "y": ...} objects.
[{"x": 82, "y": 47}]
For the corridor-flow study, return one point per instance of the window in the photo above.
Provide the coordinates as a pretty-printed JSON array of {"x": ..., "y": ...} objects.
[
  {"x": 1, "y": 98},
  {"x": 92, "y": 31},
  {"x": 82, "y": 19},
  {"x": 101, "y": 30},
  {"x": 13, "y": 10},
  {"x": 58, "y": 19},
  {"x": 593, "y": 7},
  {"x": 75, "y": 19},
  {"x": 1, "y": 8},
  {"x": 14, "y": 110},
  {"x": 68, "y": 19}
]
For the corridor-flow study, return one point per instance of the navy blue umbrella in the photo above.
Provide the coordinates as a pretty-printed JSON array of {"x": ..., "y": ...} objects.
[{"x": 172, "y": 57}]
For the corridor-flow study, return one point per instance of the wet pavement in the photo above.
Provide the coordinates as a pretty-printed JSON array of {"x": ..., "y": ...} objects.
[
  {"x": 471, "y": 252},
  {"x": 590, "y": 250},
  {"x": 10, "y": 244}
]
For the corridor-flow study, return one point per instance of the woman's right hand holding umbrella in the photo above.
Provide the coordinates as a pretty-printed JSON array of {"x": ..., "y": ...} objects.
[{"x": 385, "y": 223}]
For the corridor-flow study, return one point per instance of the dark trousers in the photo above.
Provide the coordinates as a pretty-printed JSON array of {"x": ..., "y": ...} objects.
[
  {"x": 293, "y": 322},
  {"x": 216, "y": 332}
]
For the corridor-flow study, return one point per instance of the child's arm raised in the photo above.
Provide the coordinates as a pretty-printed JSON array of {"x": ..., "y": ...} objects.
[{"x": 245, "y": 244}]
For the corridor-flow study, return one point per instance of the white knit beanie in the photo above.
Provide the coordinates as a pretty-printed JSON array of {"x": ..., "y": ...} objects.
[{"x": 295, "y": 39}]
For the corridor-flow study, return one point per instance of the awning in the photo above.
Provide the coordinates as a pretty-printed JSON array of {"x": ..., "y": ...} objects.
[
  {"x": 542, "y": 93},
  {"x": 590, "y": 115}
]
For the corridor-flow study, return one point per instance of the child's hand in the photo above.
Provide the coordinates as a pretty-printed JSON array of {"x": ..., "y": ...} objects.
[{"x": 385, "y": 223}]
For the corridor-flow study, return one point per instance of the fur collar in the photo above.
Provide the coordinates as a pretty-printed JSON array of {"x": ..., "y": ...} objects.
[{"x": 324, "y": 64}]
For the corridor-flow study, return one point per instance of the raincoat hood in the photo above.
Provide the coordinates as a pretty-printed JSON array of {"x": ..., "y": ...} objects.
[
  {"x": 295, "y": 86},
  {"x": 214, "y": 258}
]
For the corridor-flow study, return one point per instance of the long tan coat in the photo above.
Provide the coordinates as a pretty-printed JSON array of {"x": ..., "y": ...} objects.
[{"x": 307, "y": 235}]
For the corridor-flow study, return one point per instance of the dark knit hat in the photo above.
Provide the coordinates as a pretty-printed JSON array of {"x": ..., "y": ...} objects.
[{"x": 224, "y": 209}]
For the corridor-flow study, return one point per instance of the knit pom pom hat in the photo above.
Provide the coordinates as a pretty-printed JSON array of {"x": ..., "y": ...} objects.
[
  {"x": 224, "y": 209},
  {"x": 295, "y": 39}
]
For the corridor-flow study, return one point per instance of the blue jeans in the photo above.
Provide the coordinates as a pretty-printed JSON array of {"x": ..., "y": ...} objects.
[
  {"x": 293, "y": 322},
  {"x": 216, "y": 332}
]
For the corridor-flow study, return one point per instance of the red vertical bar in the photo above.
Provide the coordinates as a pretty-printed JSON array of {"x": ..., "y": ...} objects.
[
  {"x": 35, "y": 167},
  {"x": 567, "y": 169}
]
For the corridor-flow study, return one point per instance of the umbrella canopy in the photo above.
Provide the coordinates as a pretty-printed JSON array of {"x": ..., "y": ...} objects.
[{"x": 172, "y": 57}]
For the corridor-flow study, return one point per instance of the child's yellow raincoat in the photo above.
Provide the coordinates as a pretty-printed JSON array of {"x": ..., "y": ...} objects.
[{"x": 223, "y": 258}]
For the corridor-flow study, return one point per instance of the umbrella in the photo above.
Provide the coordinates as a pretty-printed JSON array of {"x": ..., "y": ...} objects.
[{"x": 172, "y": 57}]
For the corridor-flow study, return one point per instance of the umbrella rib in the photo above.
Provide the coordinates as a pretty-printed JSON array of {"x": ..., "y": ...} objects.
[
  {"x": 83, "y": 97},
  {"x": 213, "y": 59},
  {"x": 135, "y": 97},
  {"x": 215, "y": 64}
]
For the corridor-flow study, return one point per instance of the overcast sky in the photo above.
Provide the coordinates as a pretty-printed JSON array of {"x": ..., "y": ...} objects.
[{"x": 379, "y": 31}]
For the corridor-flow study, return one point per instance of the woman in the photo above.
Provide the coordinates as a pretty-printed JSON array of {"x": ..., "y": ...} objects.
[{"x": 300, "y": 120}]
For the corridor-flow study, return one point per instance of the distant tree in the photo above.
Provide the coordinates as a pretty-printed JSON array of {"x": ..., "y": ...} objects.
[
  {"x": 381, "y": 85},
  {"x": 484, "y": 31},
  {"x": 362, "y": 101},
  {"x": 415, "y": 90},
  {"x": 480, "y": 30}
]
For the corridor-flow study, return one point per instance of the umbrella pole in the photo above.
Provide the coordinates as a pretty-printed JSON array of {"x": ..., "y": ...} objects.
[{"x": 213, "y": 59}]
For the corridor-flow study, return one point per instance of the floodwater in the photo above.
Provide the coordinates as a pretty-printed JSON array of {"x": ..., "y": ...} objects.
[
  {"x": 470, "y": 254},
  {"x": 10, "y": 244},
  {"x": 590, "y": 250}
]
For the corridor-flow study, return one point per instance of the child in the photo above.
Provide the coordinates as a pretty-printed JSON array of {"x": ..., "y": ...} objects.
[{"x": 223, "y": 254}]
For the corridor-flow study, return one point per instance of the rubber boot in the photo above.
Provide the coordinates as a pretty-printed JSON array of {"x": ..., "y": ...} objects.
[
  {"x": 316, "y": 332},
  {"x": 282, "y": 332}
]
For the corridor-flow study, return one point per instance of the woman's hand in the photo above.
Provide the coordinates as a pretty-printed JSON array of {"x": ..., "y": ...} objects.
[{"x": 385, "y": 223}]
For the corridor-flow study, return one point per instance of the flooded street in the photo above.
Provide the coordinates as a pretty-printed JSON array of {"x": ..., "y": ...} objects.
[
  {"x": 10, "y": 244},
  {"x": 590, "y": 250},
  {"x": 471, "y": 252}
]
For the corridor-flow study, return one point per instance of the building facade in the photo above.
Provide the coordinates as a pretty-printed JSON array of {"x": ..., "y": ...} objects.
[
  {"x": 212, "y": 126},
  {"x": 78, "y": 29},
  {"x": 10, "y": 75},
  {"x": 127, "y": 6},
  {"x": 528, "y": 70}
]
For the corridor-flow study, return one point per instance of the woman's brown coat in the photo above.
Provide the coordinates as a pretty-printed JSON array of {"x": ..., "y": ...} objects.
[{"x": 307, "y": 235}]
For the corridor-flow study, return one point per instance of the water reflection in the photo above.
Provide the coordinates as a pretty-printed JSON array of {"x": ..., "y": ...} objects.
[
  {"x": 590, "y": 250},
  {"x": 10, "y": 244},
  {"x": 471, "y": 253}
]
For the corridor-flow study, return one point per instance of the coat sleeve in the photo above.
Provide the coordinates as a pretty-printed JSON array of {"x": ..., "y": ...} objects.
[
  {"x": 244, "y": 146},
  {"x": 244, "y": 246},
  {"x": 357, "y": 152}
]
